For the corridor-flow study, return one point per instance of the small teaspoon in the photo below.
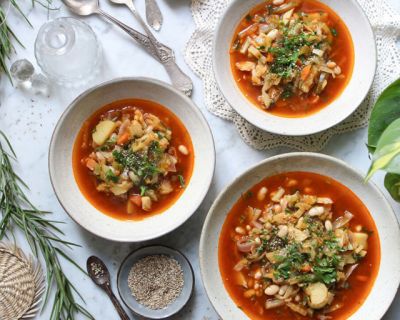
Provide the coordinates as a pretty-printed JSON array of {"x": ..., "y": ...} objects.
[
  {"x": 98, "y": 272},
  {"x": 153, "y": 14}
]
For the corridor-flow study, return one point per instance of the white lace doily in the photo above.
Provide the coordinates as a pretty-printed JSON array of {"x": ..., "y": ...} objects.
[{"x": 206, "y": 13}]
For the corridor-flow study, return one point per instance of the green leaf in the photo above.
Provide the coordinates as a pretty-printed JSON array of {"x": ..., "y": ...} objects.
[
  {"x": 386, "y": 110},
  {"x": 392, "y": 184},
  {"x": 386, "y": 156}
]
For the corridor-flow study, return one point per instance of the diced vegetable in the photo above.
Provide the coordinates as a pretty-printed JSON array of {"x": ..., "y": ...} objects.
[
  {"x": 103, "y": 131},
  {"x": 318, "y": 295},
  {"x": 291, "y": 244},
  {"x": 361, "y": 240},
  {"x": 287, "y": 52},
  {"x": 133, "y": 159}
]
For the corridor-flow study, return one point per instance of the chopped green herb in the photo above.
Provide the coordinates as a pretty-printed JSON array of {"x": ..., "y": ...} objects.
[
  {"x": 248, "y": 18},
  {"x": 181, "y": 180},
  {"x": 143, "y": 190},
  {"x": 248, "y": 195},
  {"x": 110, "y": 176},
  {"x": 334, "y": 32}
]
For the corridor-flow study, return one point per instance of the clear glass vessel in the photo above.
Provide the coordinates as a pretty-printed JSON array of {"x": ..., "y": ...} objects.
[{"x": 68, "y": 52}]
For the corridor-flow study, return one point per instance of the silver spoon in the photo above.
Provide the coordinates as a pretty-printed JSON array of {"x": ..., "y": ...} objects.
[
  {"x": 98, "y": 272},
  {"x": 153, "y": 15},
  {"x": 162, "y": 53}
]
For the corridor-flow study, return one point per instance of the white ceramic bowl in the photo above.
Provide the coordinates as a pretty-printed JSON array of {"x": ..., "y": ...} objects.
[
  {"x": 355, "y": 92},
  {"x": 67, "y": 190},
  {"x": 388, "y": 279}
]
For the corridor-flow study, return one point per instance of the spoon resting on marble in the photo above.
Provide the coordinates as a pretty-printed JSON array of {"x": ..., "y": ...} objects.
[
  {"x": 159, "y": 51},
  {"x": 98, "y": 272},
  {"x": 153, "y": 15}
]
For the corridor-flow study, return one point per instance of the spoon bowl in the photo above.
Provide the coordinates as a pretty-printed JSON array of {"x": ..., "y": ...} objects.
[
  {"x": 83, "y": 7},
  {"x": 98, "y": 272}
]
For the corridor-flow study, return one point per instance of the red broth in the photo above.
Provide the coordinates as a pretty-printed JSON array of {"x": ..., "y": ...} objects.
[
  {"x": 296, "y": 106},
  {"x": 361, "y": 281},
  {"x": 108, "y": 203}
]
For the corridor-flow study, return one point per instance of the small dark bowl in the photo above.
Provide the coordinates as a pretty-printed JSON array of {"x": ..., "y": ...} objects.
[{"x": 129, "y": 299}]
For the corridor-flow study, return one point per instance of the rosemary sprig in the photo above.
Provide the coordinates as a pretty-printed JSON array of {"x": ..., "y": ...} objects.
[
  {"x": 7, "y": 35},
  {"x": 42, "y": 234}
]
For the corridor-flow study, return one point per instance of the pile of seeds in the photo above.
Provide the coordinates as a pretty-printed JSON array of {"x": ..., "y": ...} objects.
[{"x": 156, "y": 281}]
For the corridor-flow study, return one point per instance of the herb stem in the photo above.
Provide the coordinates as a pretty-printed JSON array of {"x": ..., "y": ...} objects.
[{"x": 42, "y": 235}]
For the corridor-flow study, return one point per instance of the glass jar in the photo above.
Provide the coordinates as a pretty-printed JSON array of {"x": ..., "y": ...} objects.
[{"x": 68, "y": 52}]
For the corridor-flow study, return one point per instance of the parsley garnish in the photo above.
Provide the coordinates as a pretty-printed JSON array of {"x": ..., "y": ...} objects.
[{"x": 110, "y": 176}]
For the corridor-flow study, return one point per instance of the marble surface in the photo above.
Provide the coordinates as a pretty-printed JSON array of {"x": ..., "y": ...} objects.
[{"x": 29, "y": 121}]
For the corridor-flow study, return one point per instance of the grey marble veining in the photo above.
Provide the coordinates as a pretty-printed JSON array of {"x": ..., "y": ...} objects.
[{"x": 29, "y": 121}]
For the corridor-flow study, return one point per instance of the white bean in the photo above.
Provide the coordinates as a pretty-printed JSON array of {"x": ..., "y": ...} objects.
[
  {"x": 271, "y": 290},
  {"x": 262, "y": 193},
  {"x": 278, "y": 2},
  {"x": 283, "y": 290},
  {"x": 328, "y": 225},
  {"x": 240, "y": 230},
  {"x": 283, "y": 231},
  {"x": 182, "y": 149},
  {"x": 316, "y": 211}
]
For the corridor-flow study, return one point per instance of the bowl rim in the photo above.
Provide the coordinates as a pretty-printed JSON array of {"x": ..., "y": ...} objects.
[
  {"x": 157, "y": 246},
  {"x": 195, "y": 109},
  {"x": 284, "y": 156},
  {"x": 255, "y": 121}
]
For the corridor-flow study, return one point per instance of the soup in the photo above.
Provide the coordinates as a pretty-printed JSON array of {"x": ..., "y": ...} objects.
[
  {"x": 292, "y": 58},
  {"x": 133, "y": 159},
  {"x": 299, "y": 245}
]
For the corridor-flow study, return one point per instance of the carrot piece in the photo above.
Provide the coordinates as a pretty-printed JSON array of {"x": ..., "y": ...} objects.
[
  {"x": 90, "y": 163},
  {"x": 315, "y": 99},
  {"x": 305, "y": 72},
  {"x": 306, "y": 268},
  {"x": 123, "y": 138},
  {"x": 270, "y": 57},
  {"x": 136, "y": 200},
  {"x": 362, "y": 278}
]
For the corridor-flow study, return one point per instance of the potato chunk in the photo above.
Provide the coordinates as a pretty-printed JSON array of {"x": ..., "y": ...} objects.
[
  {"x": 318, "y": 294},
  {"x": 361, "y": 239},
  {"x": 103, "y": 131}
]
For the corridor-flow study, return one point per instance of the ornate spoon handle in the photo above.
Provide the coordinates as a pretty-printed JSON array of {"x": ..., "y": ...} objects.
[
  {"x": 166, "y": 56},
  {"x": 160, "y": 52}
]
